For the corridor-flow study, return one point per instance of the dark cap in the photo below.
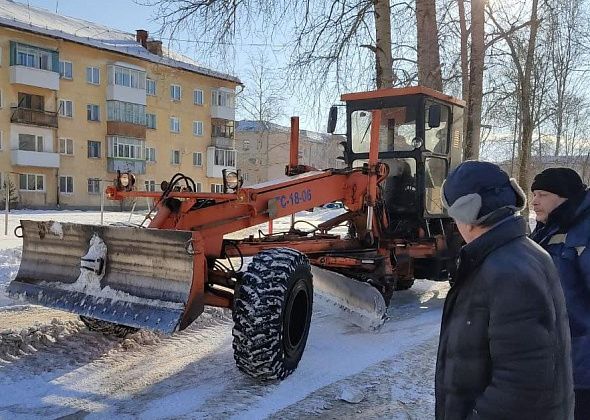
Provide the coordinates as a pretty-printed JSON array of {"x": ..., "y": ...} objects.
[{"x": 564, "y": 182}]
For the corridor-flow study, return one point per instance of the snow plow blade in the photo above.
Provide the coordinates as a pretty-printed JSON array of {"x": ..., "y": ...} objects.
[
  {"x": 362, "y": 303},
  {"x": 125, "y": 275}
]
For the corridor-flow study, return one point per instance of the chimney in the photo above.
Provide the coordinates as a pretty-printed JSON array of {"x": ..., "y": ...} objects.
[
  {"x": 141, "y": 36},
  {"x": 155, "y": 47}
]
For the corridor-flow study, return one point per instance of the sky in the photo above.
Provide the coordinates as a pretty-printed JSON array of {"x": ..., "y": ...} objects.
[{"x": 128, "y": 16}]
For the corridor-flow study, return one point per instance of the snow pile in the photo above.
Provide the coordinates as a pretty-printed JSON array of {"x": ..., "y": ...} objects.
[
  {"x": 57, "y": 230},
  {"x": 141, "y": 338},
  {"x": 14, "y": 344}
]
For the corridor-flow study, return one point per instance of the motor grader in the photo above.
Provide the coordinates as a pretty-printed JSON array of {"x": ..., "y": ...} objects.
[{"x": 400, "y": 145}]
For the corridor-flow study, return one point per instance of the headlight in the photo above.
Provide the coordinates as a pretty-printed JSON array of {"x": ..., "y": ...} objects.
[
  {"x": 416, "y": 142},
  {"x": 124, "y": 180},
  {"x": 232, "y": 181}
]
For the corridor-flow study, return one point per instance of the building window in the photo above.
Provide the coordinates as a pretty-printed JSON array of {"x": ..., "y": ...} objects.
[
  {"x": 66, "y": 70},
  {"x": 1, "y": 139},
  {"x": 217, "y": 188},
  {"x": 150, "y": 154},
  {"x": 246, "y": 144},
  {"x": 197, "y": 159},
  {"x": 175, "y": 92},
  {"x": 93, "y": 75},
  {"x": 66, "y": 108},
  {"x": 124, "y": 76},
  {"x": 175, "y": 124},
  {"x": 35, "y": 57},
  {"x": 66, "y": 185},
  {"x": 126, "y": 148},
  {"x": 93, "y": 186},
  {"x": 31, "y": 182},
  {"x": 150, "y": 185},
  {"x": 222, "y": 98},
  {"x": 225, "y": 157},
  {"x": 198, "y": 128},
  {"x": 126, "y": 112},
  {"x": 66, "y": 146},
  {"x": 150, "y": 121},
  {"x": 93, "y": 149},
  {"x": 150, "y": 87},
  {"x": 92, "y": 112},
  {"x": 199, "y": 187},
  {"x": 30, "y": 142},
  {"x": 175, "y": 158},
  {"x": 198, "y": 97}
]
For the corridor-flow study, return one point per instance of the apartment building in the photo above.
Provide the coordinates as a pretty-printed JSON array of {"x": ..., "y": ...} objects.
[
  {"x": 79, "y": 102},
  {"x": 263, "y": 150}
]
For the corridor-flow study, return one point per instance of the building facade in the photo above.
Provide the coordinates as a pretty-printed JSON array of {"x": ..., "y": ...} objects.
[
  {"x": 75, "y": 110},
  {"x": 263, "y": 150}
]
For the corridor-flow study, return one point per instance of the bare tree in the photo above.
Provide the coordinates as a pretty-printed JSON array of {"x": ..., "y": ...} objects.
[
  {"x": 263, "y": 98},
  {"x": 429, "y": 68}
]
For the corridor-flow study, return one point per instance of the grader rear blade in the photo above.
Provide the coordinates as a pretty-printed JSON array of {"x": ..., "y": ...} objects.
[
  {"x": 363, "y": 304},
  {"x": 125, "y": 275}
]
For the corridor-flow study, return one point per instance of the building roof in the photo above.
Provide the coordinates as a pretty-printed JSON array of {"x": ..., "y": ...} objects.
[
  {"x": 40, "y": 21},
  {"x": 258, "y": 126}
]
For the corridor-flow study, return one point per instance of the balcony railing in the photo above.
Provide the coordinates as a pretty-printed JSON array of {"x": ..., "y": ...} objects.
[{"x": 34, "y": 117}]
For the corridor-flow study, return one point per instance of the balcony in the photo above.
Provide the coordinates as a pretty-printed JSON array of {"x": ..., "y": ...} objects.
[
  {"x": 32, "y": 76},
  {"x": 223, "y": 142},
  {"x": 33, "y": 117},
  {"x": 38, "y": 159},
  {"x": 218, "y": 160},
  {"x": 223, "y": 112},
  {"x": 118, "y": 128},
  {"x": 126, "y": 94},
  {"x": 135, "y": 166}
]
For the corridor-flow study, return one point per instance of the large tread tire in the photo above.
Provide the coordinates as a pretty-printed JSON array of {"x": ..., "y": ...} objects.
[
  {"x": 272, "y": 313},
  {"x": 107, "y": 328}
]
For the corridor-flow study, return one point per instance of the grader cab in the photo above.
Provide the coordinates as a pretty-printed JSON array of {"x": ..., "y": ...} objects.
[{"x": 400, "y": 145}]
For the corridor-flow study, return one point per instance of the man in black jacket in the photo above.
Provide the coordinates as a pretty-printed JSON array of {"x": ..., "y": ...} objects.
[{"x": 504, "y": 350}]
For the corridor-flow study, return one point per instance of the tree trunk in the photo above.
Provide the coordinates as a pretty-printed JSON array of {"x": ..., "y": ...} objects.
[
  {"x": 429, "y": 68},
  {"x": 464, "y": 58},
  {"x": 525, "y": 99},
  {"x": 475, "y": 95},
  {"x": 383, "y": 57}
]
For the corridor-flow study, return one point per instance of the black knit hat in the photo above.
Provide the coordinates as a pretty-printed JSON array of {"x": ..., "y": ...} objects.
[{"x": 564, "y": 182}]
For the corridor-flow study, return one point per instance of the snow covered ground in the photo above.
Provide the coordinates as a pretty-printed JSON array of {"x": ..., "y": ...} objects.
[{"x": 51, "y": 366}]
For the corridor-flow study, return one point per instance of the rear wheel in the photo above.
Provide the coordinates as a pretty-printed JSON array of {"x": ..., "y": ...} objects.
[
  {"x": 107, "y": 328},
  {"x": 272, "y": 313}
]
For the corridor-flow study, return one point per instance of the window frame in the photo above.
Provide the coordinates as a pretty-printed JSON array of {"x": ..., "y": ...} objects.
[
  {"x": 92, "y": 73},
  {"x": 173, "y": 153},
  {"x": 27, "y": 175},
  {"x": 97, "y": 180},
  {"x": 69, "y": 182},
  {"x": 198, "y": 128},
  {"x": 62, "y": 74},
  {"x": 66, "y": 141},
  {"x": 148, "y": 91},
  {"x": 175, "y": 121},
  {"x": 173, "y": 87},
  {"x": 196, "y": 93},
  {"x": 94, "y": 142},
  {"x": 199, "y": 159},
  {"x": 63, "y": 106},
  {"x": 90, "y": 108}
]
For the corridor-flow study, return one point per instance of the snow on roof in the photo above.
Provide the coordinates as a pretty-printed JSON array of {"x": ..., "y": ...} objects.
[
  {"x": 256, "y": 126},
  {"x": 41, "y": 21}
]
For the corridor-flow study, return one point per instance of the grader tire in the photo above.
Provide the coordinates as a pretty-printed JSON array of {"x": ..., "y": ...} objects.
[
  {"x": 272, "y": 313},
  {"x": 107, "y": 328}
]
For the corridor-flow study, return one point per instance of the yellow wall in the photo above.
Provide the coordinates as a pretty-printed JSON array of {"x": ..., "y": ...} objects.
[{"x": 80, "y": 130}]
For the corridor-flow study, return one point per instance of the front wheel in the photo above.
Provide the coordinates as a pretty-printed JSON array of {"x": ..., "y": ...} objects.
[{"x": 272, "y": 313}]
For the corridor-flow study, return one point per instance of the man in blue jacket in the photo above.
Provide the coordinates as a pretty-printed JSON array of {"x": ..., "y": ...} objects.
[
  {"x": 562, "y": 204},
  {"x": 504, "y": 350}
]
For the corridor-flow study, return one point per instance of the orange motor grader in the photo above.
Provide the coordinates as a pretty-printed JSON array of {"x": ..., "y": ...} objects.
[{"x": 400, "y": 145}]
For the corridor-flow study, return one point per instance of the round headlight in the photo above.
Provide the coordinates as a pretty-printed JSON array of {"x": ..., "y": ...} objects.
[
  {"x": 231, "y": 180},
  {"x": 416, "y": 142},
  {"x": 124, "y": 180}
]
